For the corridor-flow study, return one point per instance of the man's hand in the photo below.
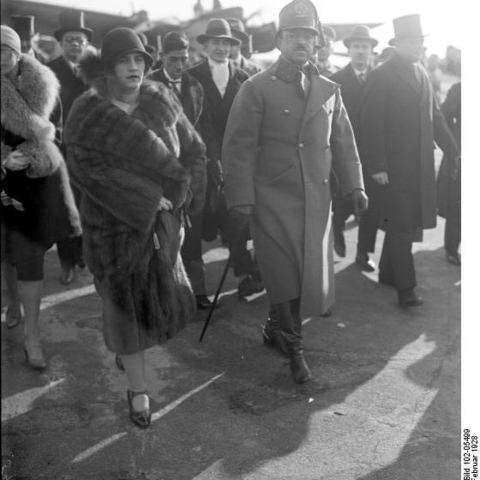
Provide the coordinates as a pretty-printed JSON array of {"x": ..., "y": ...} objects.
[
  {"x": 165, "y": 204},
  {"x": 17, "y": 161},
  {"x": 359, "y": 200},
  {"x": 381, "y": 178},
  {"x": 215, "y": 172},
  {"x": 241, "y": 215}
]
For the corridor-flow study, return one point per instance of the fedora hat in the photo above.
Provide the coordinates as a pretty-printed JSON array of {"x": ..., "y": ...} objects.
[
  {"x": 361, "y": 33},
  {"x": 218, "y": 28},
  {"x": 238, "y": 30},
  {"x": 405, "y": 27},
  {"x": 299, "y": 14},
  {"x": 24, "y": 25},
  {"x": 174, "y": 40},
  {"x": 71, "y": 21}
]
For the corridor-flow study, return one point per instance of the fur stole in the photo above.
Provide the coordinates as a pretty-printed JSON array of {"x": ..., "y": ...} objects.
[{"x": 26, "y": 105}]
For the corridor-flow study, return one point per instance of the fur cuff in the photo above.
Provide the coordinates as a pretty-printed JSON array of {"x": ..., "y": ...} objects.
[{"x": 44, "y": 157}]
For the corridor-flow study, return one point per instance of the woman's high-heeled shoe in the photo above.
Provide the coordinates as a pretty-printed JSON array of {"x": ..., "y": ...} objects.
[
  {"x": 35, "y": 356},
  {"x": 141, "y": 419},
  {"x": 13, "y": 317}
]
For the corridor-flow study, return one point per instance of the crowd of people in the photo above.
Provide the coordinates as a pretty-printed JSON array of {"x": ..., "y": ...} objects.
[{"x": 128, "y": 165}]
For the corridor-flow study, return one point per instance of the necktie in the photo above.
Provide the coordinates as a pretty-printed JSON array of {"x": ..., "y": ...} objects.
[
  {"x": 176, "y": 86},
  {"x": 303, "y": 81},
  {"x": 220, "y": 76},
  {"x": 361, "y": 77}
]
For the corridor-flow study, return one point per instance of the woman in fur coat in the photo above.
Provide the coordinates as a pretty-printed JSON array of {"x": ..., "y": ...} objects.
[
  {"x": 140, "y": 167},
  {"x": 37, "y": 206}
]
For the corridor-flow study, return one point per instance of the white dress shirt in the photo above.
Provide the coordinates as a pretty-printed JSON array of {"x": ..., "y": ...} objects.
[{"x": 220, "y": 74}]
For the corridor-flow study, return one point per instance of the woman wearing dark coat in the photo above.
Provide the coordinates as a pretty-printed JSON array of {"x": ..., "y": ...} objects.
[
  {"x": 448, "y": 190},
  {"x": 139, "y": 165},
  {"x": 37, "y": 206}
]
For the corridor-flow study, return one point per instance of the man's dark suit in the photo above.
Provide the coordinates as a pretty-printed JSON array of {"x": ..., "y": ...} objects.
[
  {"x": 400, "y": 121},
  {"x": 352, "y": 90}
]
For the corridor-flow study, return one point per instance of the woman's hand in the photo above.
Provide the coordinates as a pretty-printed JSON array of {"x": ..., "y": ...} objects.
[
  {"x": 165, "y": 204},
  {"x": 16, "y": 161}
]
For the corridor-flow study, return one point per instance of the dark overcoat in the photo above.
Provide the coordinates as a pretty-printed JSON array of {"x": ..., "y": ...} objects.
[
  {"x": 400, "y": 122},
  {"x": 278, "y": 152},
  {"x": 123, "y": 164}
]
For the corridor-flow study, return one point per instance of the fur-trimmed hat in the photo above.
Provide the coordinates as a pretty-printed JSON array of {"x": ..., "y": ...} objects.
[
  {"x": 218, "y": 28},
  {"x": 71, "y": 21}
]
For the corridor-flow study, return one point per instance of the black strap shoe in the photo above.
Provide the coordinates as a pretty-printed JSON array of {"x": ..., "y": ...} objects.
[{"x": 299, "y": 368}]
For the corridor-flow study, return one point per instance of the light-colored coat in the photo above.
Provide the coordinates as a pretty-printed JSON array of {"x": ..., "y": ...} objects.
[{"x": 279, "y": 149}]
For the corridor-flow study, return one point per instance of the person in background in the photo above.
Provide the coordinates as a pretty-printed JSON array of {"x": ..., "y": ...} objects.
[
  {"x": 435, "y": 75},
  {"x": 286, "y": 130},
  {"x": 238, "y": 31},
  {"x": 37, "y": 205},
  {"x": 323, "y": 53},
  {"x": 221, "y": 81},
  {"x": 352, "y": 78},
  {"x": 74, "y": 38},
  {"x": 400, "y": 122},
  {"x": 24, "y": 25},
  {"x": 189, "y": 91},
  {"x": 140, "y": 168},
  {"x": 449, "y": 187}
]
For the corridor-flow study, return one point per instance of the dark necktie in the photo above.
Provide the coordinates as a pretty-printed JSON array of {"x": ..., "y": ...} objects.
[
  {"x": 303, "y": 80},
  {"x": 361, "y": 77}
]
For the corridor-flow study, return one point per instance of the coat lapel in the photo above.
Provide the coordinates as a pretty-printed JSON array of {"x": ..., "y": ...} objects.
[
  {"x": 407, "y": 74},
  {"x": 321, "y": 90}
]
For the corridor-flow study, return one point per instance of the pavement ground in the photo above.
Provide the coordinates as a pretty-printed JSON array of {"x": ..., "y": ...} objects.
[{"x": 384, "y": 403}]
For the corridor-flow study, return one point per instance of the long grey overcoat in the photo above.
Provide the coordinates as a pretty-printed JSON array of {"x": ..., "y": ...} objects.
[
  {"x": 278, "y": 150},
  {"x": 400, "y": 121}
]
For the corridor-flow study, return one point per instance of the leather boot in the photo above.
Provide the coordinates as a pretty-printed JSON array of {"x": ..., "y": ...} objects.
[
  {"x": 271, "y": 335},
  {"x": 299, "y": 368}
]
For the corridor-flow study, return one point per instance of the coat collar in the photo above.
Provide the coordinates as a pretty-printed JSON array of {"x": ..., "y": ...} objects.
[{"x": 406, "y": 71}]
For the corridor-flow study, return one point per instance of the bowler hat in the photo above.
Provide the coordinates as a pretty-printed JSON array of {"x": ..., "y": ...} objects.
[
  {"x": 238, "y": 30},
  {"x": 174, "y": 41},
  {"x": 218, "y": 28},
  {"x": 71, "y": 21},
  {"x": 361, "y": 33},
  {"x": 405, "y": 27},
  {"x": 122, "y": 41},
  {"x": 24, "y": 25},
  {"x": 299, "y": 14}
]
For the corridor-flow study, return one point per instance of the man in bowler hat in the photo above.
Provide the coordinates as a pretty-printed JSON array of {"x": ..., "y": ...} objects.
[
  {"x": 352, "y": 78},
  {"x": 173, "y": 74},
  {"x": 221, "y": 81},
  {"x": 74, "y": 38},
  {"x": 400, "y": 122},
  {"x": 287, "y": 128}
]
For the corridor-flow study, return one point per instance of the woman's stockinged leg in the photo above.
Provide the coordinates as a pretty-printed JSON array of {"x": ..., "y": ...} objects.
[
  {"x": 30, "y": 294},
  {"x": 134, "y": 365}
]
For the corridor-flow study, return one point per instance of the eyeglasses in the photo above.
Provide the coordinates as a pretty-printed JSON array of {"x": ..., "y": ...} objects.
[{"x": 80, "y": 40}]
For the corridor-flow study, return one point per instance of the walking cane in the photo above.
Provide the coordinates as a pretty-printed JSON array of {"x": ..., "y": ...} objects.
[{"x": 217, "y": 294}]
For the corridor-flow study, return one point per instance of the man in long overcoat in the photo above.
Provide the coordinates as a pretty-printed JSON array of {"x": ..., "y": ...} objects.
[
  {"x": 286, "y": 128},
  {"x": 401, "y": 121}
]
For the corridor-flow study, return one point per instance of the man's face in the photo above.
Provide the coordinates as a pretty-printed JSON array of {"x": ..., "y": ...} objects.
[
  {"x": 361, "y": 54},
  {"x": 218, "y": 49},
  {"x": 176, "y": 62},
  {"x": 9, "y": 60},
  {"x": 74, "y": 45},
  {"x": 296, "y": 45},
  {"x": 234, "y": 52},
  {"x": 411, "y": 48}
]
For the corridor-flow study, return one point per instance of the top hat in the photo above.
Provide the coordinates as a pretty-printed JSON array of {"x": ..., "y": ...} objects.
[
  {"x": 238, "y": 30},
  {"x": 405, "y": 27},
  {"x": 122, "y": 41},
  {"x": 218, "y": 28},
  {"x": 24, "y": 25},
  {"x": 361, "y": 33},
  {"x": 299, "y": 14},
  {"x": 174, "y": 41},
  {"x": 71, "y": 21}
]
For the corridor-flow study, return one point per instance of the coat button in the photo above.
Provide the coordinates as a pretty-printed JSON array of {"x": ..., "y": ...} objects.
[
  {"x": 300, "y": 145},
  {"x": 286, "y": 111},
  {"x": 274, "y": 77},
  {"x": 325, "y": 181}
]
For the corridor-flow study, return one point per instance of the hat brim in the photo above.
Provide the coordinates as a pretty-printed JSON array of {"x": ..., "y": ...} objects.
[
  {"x": 203, "y": 38},
  {"x": 394, "y": 40},
  {"x": 58, "y": 34},
  {"x": 242, "y": 36},
  {"x": 349, "y": 40},
  {"x": 296, "y": 27},
  {"x": 148, "y": 58}
]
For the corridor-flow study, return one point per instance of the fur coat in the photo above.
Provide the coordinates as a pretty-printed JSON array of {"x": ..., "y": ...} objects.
[
  {"x": 43, "y": 188},
  {"x": 123, "y": 164}
]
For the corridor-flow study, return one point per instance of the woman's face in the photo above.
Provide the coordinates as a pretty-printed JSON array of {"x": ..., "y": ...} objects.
[
  {"x": 9, "y": 59},
  {"x": 129, "y": 71}
]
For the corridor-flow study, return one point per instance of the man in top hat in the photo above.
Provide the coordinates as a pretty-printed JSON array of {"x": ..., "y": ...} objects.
[
  {"x": 360, "y": 45},
  {"x": 238, "y": 31},
  {"x": 221, "y": 81},
  {"x": 74, "y": 38},
  {"x": 173, "y": 73},
  {"x": 400, "y": 122},
  {"x": 287, "y": 129},
  {"x": 24, "y": 25},
  {"x": 323, "y": 52}
]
